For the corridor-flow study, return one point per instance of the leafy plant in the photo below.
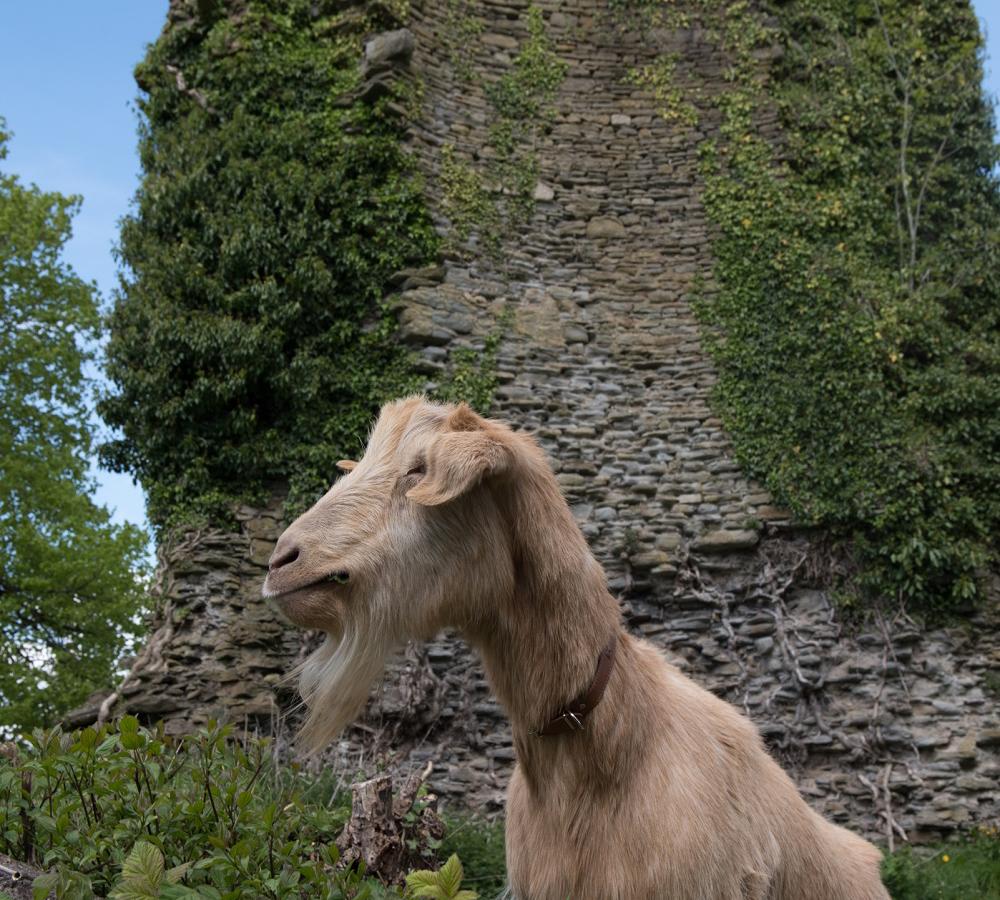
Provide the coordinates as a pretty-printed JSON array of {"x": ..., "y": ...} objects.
[
  {"x": 132, "y": 813},
  {"x": 660, "y": 77},
  {"x": 492, "y": 200},
  {"x": 445, "y": 884},
  {"x": 855, "y": 319},
  {"x": 249, "y": 340},
  {"x": 144, "y": 876},
  {"x": 472, "y": 374}
]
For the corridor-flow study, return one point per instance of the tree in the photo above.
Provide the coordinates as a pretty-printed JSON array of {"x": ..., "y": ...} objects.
[{"x": 69, "y": 578}]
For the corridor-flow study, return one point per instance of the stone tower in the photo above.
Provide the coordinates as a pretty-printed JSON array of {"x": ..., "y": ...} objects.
[{"x": 585, "y": 298}]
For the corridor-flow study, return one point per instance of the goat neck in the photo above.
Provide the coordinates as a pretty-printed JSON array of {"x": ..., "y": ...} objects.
[{"x": 540, "y": 648}]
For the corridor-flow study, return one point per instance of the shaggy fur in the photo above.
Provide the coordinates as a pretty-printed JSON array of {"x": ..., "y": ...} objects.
[{"x": 451, "y": 520}]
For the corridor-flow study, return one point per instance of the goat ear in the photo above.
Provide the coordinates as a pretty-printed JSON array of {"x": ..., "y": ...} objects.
[
  {"x": 347, "y": 465},
  {"x": 461, "y": 458}
]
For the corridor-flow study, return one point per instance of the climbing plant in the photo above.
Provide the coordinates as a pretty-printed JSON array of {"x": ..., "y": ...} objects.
[
  {"x": 492, "y": 200},
  {"x": 249, "y": 338},
  {"x": 855, "y": 316}
]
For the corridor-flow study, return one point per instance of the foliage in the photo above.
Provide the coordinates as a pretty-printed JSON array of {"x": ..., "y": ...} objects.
[
  {"x": 479, "y": 843},
  {"x": 953, "y": 871},
  {"x": 69, "y": 578},
  {"x": 660, "y": 77},
  {"x": 855, "y": 313},
  {"x": 467, "y": 202},
  {"x": 250, "y": 341},
  {"x": 496, "y": 199},
  {"x": 133, "y": 814},
  {"x": 472, "y": 374},
  {"x": 444, "y": 884},
  {"x": 458, "y": 37}
]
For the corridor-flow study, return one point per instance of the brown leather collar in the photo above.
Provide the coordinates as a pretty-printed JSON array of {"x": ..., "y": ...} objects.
[{"x": 572, "y": 716}]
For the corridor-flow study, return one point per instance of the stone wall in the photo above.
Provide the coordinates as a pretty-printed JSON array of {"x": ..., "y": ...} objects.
[
  {"x": 601, "y": 359},
  {"x": 217, "y": 651},
  {"x": 886, "y": 727}
]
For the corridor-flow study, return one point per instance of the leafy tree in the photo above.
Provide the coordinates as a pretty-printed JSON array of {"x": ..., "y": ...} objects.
[
  {"x": 68, "y": 576},
  {"x": 250, "y": 341}
]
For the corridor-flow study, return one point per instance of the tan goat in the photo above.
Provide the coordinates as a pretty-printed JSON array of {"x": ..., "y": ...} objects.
[{"x": 667, "y": 793}]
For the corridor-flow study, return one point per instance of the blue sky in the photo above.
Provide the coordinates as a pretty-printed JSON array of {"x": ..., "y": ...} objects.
[{"x": 67, "y": 94}]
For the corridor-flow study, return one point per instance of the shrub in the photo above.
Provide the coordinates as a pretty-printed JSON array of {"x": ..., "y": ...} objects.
[{"x": 133, "y": 813}]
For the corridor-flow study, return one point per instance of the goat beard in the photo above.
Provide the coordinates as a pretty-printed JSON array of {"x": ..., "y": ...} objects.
[{"x": 335, "y": 681}]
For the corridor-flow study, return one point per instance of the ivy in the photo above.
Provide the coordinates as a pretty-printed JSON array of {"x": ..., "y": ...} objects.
[
  {"x": 472, "y": 374},
  {"x": 250, "y": 341},
  {"x": 491, "y": 202},
  {"x": 459, "y": 35},
  {"x": 660, "y": 77},
  {"x": 855, "y": 317}
]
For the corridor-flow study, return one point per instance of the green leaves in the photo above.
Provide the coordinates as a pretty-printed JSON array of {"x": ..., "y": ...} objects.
[
  {"x": 249, "y": 342},
  {"x": 445, "y": 884},
  {"x": 858, "y": 347},
  {"x": 142, "y": 873},
  {"x": 206, "y": 816},
  {"x": 144, "y": 877},
  {"x": 70, "y": 581},
  {"x": 491, "y": 200},
  {"x": 202, "y": 817}
]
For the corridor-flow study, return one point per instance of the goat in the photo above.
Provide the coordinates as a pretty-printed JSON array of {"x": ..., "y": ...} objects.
[{"x": 646, "y": 788}]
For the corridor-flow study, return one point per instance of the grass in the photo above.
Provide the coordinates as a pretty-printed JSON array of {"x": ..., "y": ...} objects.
[
  {"x": 967, "y": 869},
  {"x": 480, "y": 845}
]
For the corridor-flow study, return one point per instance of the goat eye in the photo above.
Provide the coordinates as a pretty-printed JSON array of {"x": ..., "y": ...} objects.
[{"x": 418, "y": 468}]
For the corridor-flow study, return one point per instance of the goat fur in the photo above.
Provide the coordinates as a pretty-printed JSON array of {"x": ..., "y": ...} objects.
[{"x": 452, "y": 520}]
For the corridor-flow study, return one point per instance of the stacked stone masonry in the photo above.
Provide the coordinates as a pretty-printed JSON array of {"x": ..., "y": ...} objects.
[{"x": 886, "y": 727}]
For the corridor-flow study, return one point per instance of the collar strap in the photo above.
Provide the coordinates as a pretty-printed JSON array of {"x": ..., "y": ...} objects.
[{"x": 572, "y": 716}]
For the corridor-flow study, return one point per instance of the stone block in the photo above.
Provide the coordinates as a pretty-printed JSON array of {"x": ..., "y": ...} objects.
[
  {"x": 649, "y": 559},
  {"x": 390, "y": 47},
  {"x": 605, "y": 228},
  {"x": 543, "y": 193},
  {"x": 725, "y": 541},
  {"x": 260, "y": 551}
]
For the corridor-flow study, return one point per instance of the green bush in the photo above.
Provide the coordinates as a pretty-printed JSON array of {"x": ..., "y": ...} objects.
[
  {"x": 856, "y": 313},
  {"x": 964, "y": 870},
  {"x": 132, "y": 813},
  {"x": 250, "y": 340}
]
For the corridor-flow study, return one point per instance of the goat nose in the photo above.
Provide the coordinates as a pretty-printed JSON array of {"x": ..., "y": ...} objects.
[{"x": 282, "y": 557}]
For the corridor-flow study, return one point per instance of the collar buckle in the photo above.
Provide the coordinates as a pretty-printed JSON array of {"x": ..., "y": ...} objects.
[{"x": 571, "y": 719}]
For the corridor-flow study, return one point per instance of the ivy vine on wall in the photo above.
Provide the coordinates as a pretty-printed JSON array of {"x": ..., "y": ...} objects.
[
  {"x": 855, "y": 317},
  {"x": 250, "y": 340},
  {"x": 489, "y": 202}
]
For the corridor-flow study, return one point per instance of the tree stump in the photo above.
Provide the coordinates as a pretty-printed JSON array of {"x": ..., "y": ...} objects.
[
  {"x": 391, "y": 835},
  {"x": 16, "y": 878}
]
